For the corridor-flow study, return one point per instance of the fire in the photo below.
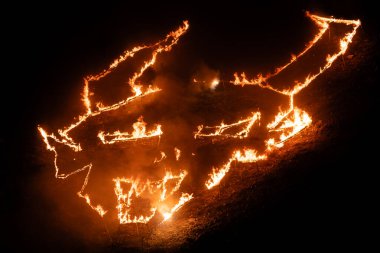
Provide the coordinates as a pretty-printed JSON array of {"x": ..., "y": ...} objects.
[
  {"x": 99, "y": 209},
  {"x": 222, "y": 128},
  {"x": 184, "y": 198},
  {"x": 245, "y": 156},
  {"x": 210, "y": 84},
  {"x": 214, "y": 83},
  {"x": 161, "y": 194},
  {"x": 138, "y": 91},
  {"x": 163, "y": 156},
  {"x": 138, "y": 188},
  {"x": 293, "y": 120},
  {"x": 139, "y": 132},
  {"x": 177, "y": 153}
]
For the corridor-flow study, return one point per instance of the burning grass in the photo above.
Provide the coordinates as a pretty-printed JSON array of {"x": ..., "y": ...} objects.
[{"x": 243, "y": 153}]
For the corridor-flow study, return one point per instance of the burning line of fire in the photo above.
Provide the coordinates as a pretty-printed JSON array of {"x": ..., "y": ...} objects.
[
  {"x": 163, "y": 156},
  {"x": 293, "y": 120},
  {"x": 286, "y": 123},
  {"x": 137, "y": 188},
  {"x": 139, "y": 132},
  {"x": 245, "y": 156},
  {"x": 177, "y": 153},
  {"x": 219, "y": 130}
]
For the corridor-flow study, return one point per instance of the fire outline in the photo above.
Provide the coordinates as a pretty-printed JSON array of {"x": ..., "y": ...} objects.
[{"x": 282, "y": 119}]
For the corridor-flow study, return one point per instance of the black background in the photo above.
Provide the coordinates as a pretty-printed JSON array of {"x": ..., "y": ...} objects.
[{"x": 48, "y": 49}]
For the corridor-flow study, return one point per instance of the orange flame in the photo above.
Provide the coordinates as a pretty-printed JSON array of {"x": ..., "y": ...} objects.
[
  {"x": 292, "y": 121},
  {"x": 214, "y": 83},
  {"x": 163, "y": 156},
  {"x": 286, "y": 124},
  {"x": 245, "y": 156},
  {"x": 219, "y": 130},
  {"x": 139, "y": 132},
  {"x": 177, "y": 153},
  {"x": 184, "y": 198},
  {"x": 211, "y": 84},
  {"x": 138, "y": 91},
  {"x": 137, "y": 188},
  {"x": 289, "y": 126}
]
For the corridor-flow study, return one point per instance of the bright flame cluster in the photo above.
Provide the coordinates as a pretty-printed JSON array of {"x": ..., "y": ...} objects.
[
  {"x": 139, "y": 132},
  {"x": 138, "y": 189},
  {"x": 286, "y": 124},
  {"x": 138, "y": 91},
  {"x": 222, "y": 129},
  {"x": 290, "y": 122}
]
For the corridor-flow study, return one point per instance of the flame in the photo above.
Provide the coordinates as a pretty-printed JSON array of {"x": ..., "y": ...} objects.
[
  {"x": 286, "y": 124},
  {"x": 177, "y": 153},
  {"x": 137, "y": 188},
  {"x": 222, "y": 128},
  {"x": 323, "y": 25},
  {"x": 245, "y": 156},
  {"x": 289, "y": 126},
  {"x": 290, "y": 122},
  {"x": 138, "y": 91},
  {"x": 184, "y": 198},
  {"x": 139, "y": 132},
  {"x": 99, "y": 209},
  {"x": 163, "y": 156}
]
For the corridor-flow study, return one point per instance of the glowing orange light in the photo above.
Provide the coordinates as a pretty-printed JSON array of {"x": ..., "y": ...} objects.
[
  {"x": 138, "y": 91},
  {"x": 291, "y": 121},
  {"x": 285, "y": 125},
  {"x": 137, "y": 188}
]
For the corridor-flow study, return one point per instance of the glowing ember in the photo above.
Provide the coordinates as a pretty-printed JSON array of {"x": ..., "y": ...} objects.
[
  {"x": 214, "y": 84},
  {"x": 245, "y": 156},
  {"x": 209, "y": 84},
  {"x": 163, "y": 156},
  {"x": 293, "y": 123},
  {"x": 177, "y": 153},
  {"x": 184, "y": 198},
  {"x": 138, "y": 91}
]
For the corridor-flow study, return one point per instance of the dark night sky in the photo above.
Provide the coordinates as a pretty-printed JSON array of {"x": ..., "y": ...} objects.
[{"x": 52, "y": 47}]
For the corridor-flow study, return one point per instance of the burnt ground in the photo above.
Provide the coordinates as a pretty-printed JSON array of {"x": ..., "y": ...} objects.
[{"x": 317, "y": 191}]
